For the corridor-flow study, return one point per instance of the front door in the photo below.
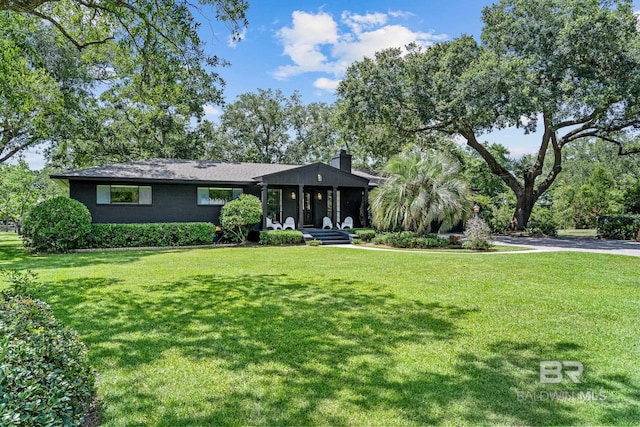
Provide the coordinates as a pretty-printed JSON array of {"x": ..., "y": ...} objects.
[{"x": 308, "y": 208}]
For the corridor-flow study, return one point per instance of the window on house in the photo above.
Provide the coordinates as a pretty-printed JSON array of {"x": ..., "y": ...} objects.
[
  {"x": 274, "y": 204},
  {"x": 123, "y": 195},
  {"x": 217, "y": 196}
]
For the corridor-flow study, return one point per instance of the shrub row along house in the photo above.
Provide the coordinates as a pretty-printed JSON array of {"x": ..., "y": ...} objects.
[{"x": 171, "y": 190}]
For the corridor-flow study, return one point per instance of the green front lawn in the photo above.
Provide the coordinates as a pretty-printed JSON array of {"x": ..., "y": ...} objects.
[{"x": 322, "y": 335}]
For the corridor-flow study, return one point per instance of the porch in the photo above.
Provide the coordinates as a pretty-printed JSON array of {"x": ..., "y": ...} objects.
[
  {"x": 310, "y": 193},
  {"x": 308, "y": 205}
]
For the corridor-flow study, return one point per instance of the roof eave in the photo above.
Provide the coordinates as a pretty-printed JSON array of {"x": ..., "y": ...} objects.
[{"x": 151, "y": 180}]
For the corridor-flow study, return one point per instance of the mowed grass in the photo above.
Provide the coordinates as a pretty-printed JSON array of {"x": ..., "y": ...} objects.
[{"x": 338, "y": 336}]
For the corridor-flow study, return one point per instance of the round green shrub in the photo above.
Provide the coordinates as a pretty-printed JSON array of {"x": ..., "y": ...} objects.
[
  {"x": 239, "y": 216},
  {"x": 45, "y": 376},
  {"x": 56, "y": 225},
  {"x": 365, "y": 234}
]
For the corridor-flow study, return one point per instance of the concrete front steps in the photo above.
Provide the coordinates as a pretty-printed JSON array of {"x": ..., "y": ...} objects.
[{"x": 328, "y": 237}]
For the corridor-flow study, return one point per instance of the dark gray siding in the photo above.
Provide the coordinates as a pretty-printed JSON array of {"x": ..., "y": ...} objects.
[
  {"x": 289, "y": 205},
  {"x": 351, "y": 205},
  {"x": 171, "y": 203}
]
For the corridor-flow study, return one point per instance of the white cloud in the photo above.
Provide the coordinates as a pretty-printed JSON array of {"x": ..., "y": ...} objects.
[
  {"x": 401, "y": 14},
  {"x": 358, "y": 23},
  {"x": 329, "y": 85},
  {"x": 316, "y": 42},
  {"x": 210, "y": 110},
  {"x": 370, "y": 42},
  {"x": 233, "y": 42},
  {"x": 303, "y": 40}
]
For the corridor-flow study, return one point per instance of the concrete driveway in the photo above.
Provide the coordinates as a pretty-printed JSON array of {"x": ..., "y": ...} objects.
[{"x": 578, "y": 244}]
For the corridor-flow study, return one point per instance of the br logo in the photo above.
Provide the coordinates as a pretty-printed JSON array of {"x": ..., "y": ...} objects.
[{"x": 551, "y": 371}]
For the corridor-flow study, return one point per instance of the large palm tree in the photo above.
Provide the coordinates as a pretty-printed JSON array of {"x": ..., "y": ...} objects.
[{"x": 421, "y": 189}]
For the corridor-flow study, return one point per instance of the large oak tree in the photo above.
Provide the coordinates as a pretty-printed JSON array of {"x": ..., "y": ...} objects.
[
  {"x": 570, "y": 67},
  {"x": 267, "y": 126},
  {"x": 126, "y": 79}
]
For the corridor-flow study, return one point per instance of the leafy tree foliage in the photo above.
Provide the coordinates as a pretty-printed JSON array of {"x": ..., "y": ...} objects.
[
  {"x": 145, "y": 59},
  {"x": 594, "y": 181},
  {"x": 42, "y": 83},
  {"x": 140, "y": 24},
  {"x": 269, "y": 127},
  {"x": 569, "y": 66},
  {"x": 21, "y": 189},
  {"x": 632, "y": 199},
  {"x": 420, "y": 190}
]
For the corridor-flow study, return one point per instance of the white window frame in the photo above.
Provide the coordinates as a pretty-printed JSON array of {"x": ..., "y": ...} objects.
[
  {"x": 206, "y": 200},
  {"x": 103, "y": 195}
]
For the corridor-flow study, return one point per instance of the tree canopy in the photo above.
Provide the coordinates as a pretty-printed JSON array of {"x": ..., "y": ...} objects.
[
  {"x": 568, "y": 67},
  {"x": 143, "y": 25},
  {"x": 21, "y": 189},
  {"x": 267, "y": 126},
  {"x": 106, "y": 80}
]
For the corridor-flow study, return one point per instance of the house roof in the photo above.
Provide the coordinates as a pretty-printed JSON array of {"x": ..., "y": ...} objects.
[{"x": 176, "y": 170}]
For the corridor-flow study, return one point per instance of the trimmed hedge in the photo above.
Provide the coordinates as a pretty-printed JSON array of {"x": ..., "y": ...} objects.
[
  {"x": 45, "y": 377},
  {"x": 152, "y": 234},
  {"x": 364, "y": 234},
  {"x": 408, "y": 239},
  {"x": 56, "y": 225},
  {"x": 621, "y": 227},
  {"x": 281, "y": 237}
]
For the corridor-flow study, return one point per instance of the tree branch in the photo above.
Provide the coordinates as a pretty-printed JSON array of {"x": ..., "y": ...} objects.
[
  {"x": 542, "y": 152},
  {"x": 5, "y": 156},
  {"x": 66, "y": 35},
  {"x": 495, "y": 167},
  {"x": 621, "y": 150},
  {"x": 575, "y": 122},
  {"x": 576, "y": 133},
  {"x": 555, "y": 170}
]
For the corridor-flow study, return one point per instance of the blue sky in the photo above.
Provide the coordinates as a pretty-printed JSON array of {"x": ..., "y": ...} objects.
[{"x": 306, "y": 45}]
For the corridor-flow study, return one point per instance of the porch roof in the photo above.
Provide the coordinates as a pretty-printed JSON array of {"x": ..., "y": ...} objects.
[{"x": 315, "y": 174}]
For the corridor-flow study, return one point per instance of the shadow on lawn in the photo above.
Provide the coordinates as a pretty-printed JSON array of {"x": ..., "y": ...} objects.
[
  {"x": 309, "y": 349},
  {"x": 16, "y": 258}
]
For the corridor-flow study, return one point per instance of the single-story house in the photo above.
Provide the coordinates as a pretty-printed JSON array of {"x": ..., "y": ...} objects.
[{"x": 171, "y": 190}]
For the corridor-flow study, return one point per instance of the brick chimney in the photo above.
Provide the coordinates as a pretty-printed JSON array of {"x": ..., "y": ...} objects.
[{"x": 342, "y": 160}]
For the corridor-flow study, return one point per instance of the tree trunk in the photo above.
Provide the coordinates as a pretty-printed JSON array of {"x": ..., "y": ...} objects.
[{"x": 525, "y": 201}]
